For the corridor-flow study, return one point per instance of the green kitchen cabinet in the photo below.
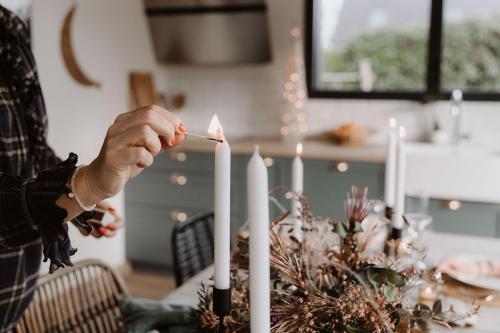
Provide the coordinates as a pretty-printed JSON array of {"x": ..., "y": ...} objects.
[
  {"x": 177, "y": 186},
  {"x": 470, "y": 218},
  {"x": 326, "y": 183},
  {"x": 180, "y": 184},
  {"x": 149, "y": 230}
]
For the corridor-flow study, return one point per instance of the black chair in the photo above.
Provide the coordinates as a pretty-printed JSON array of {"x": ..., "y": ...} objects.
[{"x": 193, "y": 246}]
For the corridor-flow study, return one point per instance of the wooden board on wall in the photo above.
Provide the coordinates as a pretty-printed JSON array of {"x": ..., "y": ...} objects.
[{"x": 142, "y": 89}]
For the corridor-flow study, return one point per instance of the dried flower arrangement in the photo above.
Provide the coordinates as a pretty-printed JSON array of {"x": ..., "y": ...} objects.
[{"x": 329, "y": 282}]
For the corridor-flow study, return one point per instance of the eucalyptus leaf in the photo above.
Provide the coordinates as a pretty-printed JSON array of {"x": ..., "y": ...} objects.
[
  {"x": 340, "y": 229},
  {"x": 389, "y": 292},
  {"x": 422, "y": 311},
  {"x": 437, "y": 308},
  {"x": 422, "y": 324},
  {"x": 358, "y": 227},
  {"x": 373, "y": 278},
  {"x": 395, "y": 278},
  {"x": 383, "y": 275}
]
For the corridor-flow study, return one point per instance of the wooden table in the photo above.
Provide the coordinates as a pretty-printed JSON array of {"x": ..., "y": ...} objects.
[{"x": 440, "y": 246}]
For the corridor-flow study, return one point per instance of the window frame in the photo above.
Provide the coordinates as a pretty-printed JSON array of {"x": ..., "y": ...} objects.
[{"x": 433, "y": 71}]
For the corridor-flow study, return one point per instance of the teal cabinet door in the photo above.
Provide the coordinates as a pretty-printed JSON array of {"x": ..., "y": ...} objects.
[
  {"x": 148, "y": 234},
  {"x": 326, "y": 183},
  {"x": 471, "y": 218}
]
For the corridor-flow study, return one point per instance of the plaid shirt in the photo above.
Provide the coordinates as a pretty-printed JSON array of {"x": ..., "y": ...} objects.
[{"x": 25, "y": 209}]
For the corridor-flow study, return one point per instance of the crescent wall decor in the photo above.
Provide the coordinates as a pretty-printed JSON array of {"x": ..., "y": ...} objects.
[{"x": 69, "y": 55}]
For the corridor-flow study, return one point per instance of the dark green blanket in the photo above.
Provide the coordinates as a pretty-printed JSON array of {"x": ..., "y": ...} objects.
[{"x": 144, "y": 315}]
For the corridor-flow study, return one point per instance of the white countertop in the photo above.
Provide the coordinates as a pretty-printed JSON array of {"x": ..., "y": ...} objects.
[
  {"x": 275, "y": 147},
  {"x": 441, "y": 245}
]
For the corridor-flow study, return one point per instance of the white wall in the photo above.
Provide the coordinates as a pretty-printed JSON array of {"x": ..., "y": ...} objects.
[
  {"x": 111, "y": 39},
  {"x": 248, "y": 99}
]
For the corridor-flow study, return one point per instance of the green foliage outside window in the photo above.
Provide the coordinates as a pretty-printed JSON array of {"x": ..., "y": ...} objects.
[{"x": 470, "y": 58}]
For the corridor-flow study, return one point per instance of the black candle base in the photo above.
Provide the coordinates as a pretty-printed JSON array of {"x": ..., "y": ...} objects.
[
  {"x": 389, "y": 212},
  {"x": 395, "y": 234},
  {"x": 222, "y": 305},
  {"x": 222, "y": 302}
]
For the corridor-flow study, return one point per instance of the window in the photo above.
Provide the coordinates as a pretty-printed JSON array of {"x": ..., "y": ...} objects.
[{"x": 412, "y": 49}]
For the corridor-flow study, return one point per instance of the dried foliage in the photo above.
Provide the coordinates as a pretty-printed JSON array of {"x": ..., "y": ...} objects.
[{"x": 328, "y": 283}]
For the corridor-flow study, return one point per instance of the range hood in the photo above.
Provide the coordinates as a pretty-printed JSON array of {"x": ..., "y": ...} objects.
[{"x": 209, "y": 32}]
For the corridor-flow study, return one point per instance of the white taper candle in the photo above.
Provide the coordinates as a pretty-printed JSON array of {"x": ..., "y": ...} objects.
[
  {"x": 222, "y": 210},
  {"x": 399, "y": 209},
  {"x": 297, "y": 189},
  {"x": 390, "y": 165},
  {"x": 258, "y": 220}
]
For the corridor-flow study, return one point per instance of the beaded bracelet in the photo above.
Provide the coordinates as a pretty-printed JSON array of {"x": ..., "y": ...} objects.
[{"x": 72, "y": 194}]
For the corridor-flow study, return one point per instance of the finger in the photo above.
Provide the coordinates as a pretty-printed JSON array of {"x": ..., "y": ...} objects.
[
  {"x": 139, "y": 156},
  {"x": 152, "y": 118},
  {"x": 115, "y": 225},
  {"x": 130, "y": 114},
  {"x": 171, "y": 117},
  {"x": 103, "y": 205},
  {"x": 107, "y": 232},
  {"x": 178, "y": 139},
  {"x": 138, "y": 136},
  {"x": 176, "y": 121},
  {"x": 145, "y": 112}
]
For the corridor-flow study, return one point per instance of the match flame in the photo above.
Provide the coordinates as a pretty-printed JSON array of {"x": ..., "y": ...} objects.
[
  {"x": 392, "y": 123},
  {"x": 299, "y": 149},
  {"x": 215, "y": 128},
  {"x": 402, "y": 132}
]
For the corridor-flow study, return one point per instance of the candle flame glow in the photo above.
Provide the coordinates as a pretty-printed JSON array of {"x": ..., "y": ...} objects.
[
  {"x": 402, "y": 132},
  {"x": 215, "y": 128},
  {"x": 299, "y": 149},
  {"x": 392, "y": 123}
]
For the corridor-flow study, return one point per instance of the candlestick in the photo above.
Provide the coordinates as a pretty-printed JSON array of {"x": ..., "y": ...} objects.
[
  {"x": 390, "y": 165},
  {"x": 297, "y": 188},
  {"x": 397, "y": 221},
  {"x": 258, "y": 220}
]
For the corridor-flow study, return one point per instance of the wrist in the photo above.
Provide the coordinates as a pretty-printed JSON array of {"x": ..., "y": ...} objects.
[{"x": 85, "y": 188}]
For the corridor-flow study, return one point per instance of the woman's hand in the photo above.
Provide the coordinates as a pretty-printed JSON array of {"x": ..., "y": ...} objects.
[{"x": 131, "y": 144}]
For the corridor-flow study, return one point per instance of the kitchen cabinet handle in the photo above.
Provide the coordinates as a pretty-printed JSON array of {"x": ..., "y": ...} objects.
[
  {"x": 269, "y": 162},
  {"x": 452, "y": 204},
  {"x": 178, "y": 216},
  {"x": 178, "y": 156},
  {"x": 178, "y": 179},
  {"x": 340, "y": 166}
]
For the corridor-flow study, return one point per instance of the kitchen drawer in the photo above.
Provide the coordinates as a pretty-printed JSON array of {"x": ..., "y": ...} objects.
[
  {"x": 193, "y": 189},
  {"x": 186, "y": 188},
  {"x": 470, "y": 218},
  {"x": 178, "y": 159}
]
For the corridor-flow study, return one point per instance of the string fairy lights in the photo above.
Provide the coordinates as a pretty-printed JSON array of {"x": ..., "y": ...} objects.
[{"x": 293, "y": 117}]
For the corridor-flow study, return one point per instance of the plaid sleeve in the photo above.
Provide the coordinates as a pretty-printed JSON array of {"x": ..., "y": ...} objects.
[
  {"x": 23, "y": 85},
  {"x": 28, "y": 211},
  {"x": 15, "y": 229}
]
